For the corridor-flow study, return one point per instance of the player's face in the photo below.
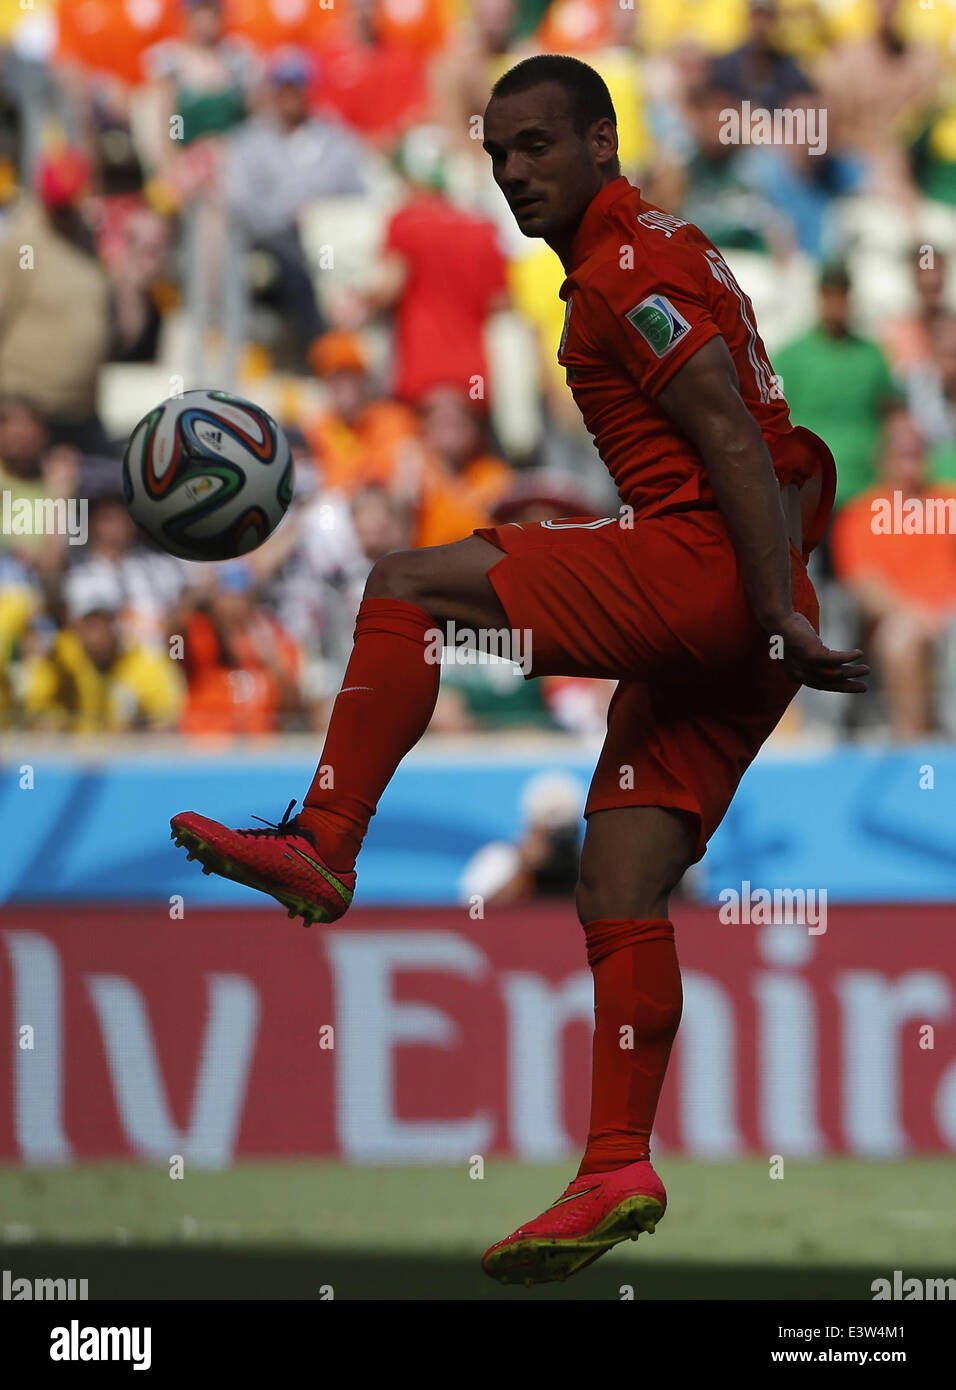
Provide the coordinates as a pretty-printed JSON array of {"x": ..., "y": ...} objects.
[{"x": 547, "y": 171}]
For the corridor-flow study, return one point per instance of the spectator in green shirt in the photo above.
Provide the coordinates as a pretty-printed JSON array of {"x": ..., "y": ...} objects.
[{"x": 838, "y": 385}]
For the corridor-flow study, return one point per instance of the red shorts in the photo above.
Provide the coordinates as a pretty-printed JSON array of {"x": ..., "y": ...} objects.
[{"x": 661, "y": 608}]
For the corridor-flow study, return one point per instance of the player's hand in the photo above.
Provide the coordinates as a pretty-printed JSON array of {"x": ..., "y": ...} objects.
[{"x": 811, "y": 663}]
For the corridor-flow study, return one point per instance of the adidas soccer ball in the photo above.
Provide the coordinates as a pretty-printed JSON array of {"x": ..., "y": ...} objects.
[{"x": 207, "y": 475}]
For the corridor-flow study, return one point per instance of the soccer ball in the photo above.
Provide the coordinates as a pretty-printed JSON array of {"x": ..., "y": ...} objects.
[{"x": 207, "y": 475}]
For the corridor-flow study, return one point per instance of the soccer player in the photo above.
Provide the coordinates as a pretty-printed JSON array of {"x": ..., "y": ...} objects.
[{"x": 695, "y": 598}]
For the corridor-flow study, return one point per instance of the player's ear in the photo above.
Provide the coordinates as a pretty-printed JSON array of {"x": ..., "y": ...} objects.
[{"x": 603, "y": 140}]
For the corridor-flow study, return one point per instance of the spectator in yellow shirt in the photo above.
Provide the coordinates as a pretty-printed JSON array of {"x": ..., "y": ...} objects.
[
  {"x": 19, "y": 603},
  {"x": 88, "y": 682}
]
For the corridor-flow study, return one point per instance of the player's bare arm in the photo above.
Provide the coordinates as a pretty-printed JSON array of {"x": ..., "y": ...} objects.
[{"x": 703, "y": 400}]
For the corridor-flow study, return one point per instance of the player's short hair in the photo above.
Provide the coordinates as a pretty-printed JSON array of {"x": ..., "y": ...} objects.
[{"x": 587, "y": 90}]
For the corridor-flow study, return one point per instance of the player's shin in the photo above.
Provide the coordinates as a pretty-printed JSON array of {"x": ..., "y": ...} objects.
[{"x": 383, "y": 708}]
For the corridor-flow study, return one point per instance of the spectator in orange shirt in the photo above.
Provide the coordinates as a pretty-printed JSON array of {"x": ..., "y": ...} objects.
[
  {"x": 903, "y": 579},
  {"x": 241, "y": 666},
  {"x": 461, "y": 479},
  {"x": 356, "y": 440},
  {"x": 435, "y": 463}
]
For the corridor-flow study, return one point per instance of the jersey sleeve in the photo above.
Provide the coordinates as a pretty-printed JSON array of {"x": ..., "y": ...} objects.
[{"x": 651, "y": 326}]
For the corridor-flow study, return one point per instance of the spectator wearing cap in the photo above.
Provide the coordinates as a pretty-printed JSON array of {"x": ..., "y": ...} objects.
[
  {"x": 54, "y": 303},
  {"x": 279, "y": 162},
  {"x": 148, "y": 582},
  {"x": 357, "y": 439},
  {"x": 838, "y": 384},
  {"x": 89, "y": 680},
  {"x": 435, "y": 464}
]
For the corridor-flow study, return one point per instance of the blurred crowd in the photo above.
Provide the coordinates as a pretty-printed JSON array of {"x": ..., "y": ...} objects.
[{"x": 320, "y": 165}]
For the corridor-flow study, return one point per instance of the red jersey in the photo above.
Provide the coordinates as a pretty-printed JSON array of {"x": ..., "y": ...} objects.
[
  {"x": 455, "y": 272},
  {"x": 644, "y": 291}
]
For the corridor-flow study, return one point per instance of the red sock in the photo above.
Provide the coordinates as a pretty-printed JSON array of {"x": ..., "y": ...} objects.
[
  {"x": 382, "y": 710},
  {"x": 637, "y": 987}
]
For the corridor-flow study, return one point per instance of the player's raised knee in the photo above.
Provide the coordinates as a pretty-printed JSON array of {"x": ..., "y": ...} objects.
[{"x": 399, "y": 575}]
